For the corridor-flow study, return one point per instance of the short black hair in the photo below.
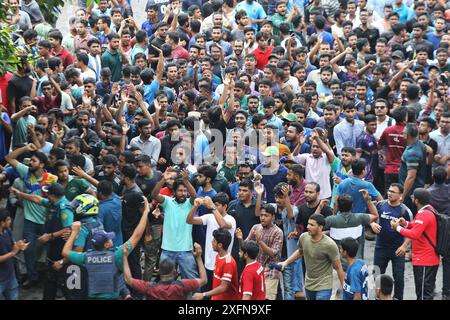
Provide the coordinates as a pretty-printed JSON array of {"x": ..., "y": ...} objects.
[
  {"x": 358, "y": 166},
  {"x": 439, "y": 175},
  {"x": 422, "y": 195},
  {"x": 221, "y": 198},
  {"x": 223, "y": 237},
  {"x": 345, "y": 203},
  {"x": 350, "y": 246},
  {"x": 4, "y": 214},
  {"x": 166, "y": 267},
  {"x": 320, "y": 219},
  {"x": 251, "y": 248},
  {"x": 386, "y": 284},
  {"x": 247, "y": 183},
  {"x": 129, "y": 171},
  {"x": 105, "y": 187}
]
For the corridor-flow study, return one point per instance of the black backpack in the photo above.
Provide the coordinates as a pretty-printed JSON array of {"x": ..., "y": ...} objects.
[{"x": 442, "y": 246}]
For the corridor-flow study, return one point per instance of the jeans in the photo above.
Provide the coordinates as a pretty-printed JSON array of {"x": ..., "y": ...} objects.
[
  {"x": 446, "y": 276},
  {"x": 382, "y": 258},
  {"x": 293, "y": 280},
  {"x": 10, "y": 289},
  {"x": 184, "y": 260},
  {"x": 31, "y": 231},
  {"x": 425, "y": 281},
  {"x": 318, "y": 295}
]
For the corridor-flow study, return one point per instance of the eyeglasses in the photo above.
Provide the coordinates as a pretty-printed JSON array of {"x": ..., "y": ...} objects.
[{"x": 380, "y": 107}]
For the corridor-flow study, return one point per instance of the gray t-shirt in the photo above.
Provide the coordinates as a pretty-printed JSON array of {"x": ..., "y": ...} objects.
[{"x": 319, "y": 257}]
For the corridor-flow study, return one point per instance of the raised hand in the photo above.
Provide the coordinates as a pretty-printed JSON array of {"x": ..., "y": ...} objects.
[
  {"x": 198, "y": 202},
  {"x": 197, "y": 252},
  {"x": 76, "y": 226},
  {"x": 365, "y": 194},
  {"x": 239, "y": 234},
  {"x": 258, "y": 187}
]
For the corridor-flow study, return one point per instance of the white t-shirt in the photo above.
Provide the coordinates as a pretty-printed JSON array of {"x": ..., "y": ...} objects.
[
  {"x": 317, "y": 170},
  {"x": 211, "y": 224},
  {"x": 382, "y": 126}
]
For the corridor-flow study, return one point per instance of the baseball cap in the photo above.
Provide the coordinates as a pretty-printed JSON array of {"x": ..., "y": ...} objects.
[
  {"x": 271, "y": 151},
  {"x": 101, "y": 237},
  {"x": 290, "y": 117},
  {"x": 398, "y": 54},
  {"x": 55, "y": 189}
]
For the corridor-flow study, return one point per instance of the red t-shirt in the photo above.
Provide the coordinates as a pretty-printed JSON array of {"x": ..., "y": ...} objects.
[
  {"x": 180, "y": 53},
  {"x": 393, "y": 139},
  {"x": 226, "y": 269},
  {"x": 166, "y": 192},
  {"x": 174, "y": 290},
  {"x": 44, "y": 106},
  {"x": 252, "y": 281},
  {"x": 423, "y": 253},
  {"x": 65, "y": 56},
  {"x": 3, "y": 88},
  {"x": 262, "y": 57}
]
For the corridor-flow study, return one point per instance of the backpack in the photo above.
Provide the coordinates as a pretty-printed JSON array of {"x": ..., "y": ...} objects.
[{"x": 442, "y": 246}]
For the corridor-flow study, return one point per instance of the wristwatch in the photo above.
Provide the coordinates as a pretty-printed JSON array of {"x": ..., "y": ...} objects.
[{"x": 204, "y": 295}]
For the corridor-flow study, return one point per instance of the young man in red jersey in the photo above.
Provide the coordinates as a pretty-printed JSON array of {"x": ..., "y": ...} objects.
[
  {"x": 252, "y": 286},
  {"x": 225, "y": 281}
]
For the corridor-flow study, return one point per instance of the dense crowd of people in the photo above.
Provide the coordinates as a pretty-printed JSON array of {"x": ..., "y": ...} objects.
[{"x": 226, "y": 150}]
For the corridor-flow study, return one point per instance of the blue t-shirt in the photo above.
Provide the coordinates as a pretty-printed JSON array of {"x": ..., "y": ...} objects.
[
  {"x": 177, "y": 234},
  {"x": 3, "y": 149},
  {"x": 414, "y": 158},
  {"x": 150, "y": 90},
  {"x": 434, "y": 39},
  {"x": 270, "y": 181},
  {"x": 388, "y": 238},
  {"x": 356, "y": 281},
  {"x": 351, "y": 186},
  {"x": 110, "y": 215},
  {"x": 254, "y": 11},
  {"x": 6, "y": 245}
]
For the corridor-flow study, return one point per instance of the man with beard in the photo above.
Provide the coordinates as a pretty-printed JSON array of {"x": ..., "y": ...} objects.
[
  {"x": 113, "y": 58},
  {"x": 312, "y": 205},
  {"x": 170, "y": 140},
  {"x": 321, "y": 255},
  {"x": 254, "y": 10},
  {"x": 72, "y": 186},
  {"x": 426, "y": 125},
  {"x": 368, "y": 147},
  {"x": 295, "y": 138},
  {"x": 269, "y": 237},
  {"x": 108, "y": 171},
  {"x": 156, "y": 42},
  {"x": 21, "y": 121},
  {"x": 177, "y": 234},
  {"x": 296, "y": 180},
  {"x": 323, "y": 89},
  {"x": 89, "y": 137},
  {"x": 73, "y": 147},
  {"x": 318, "y": 163},
  {"x": 20, "y": 85},
  {"x": 328, "y": 122},
  {"x": 342, "y": 168},
  {"x": 34, "y": 178},
  {"x": 150, "y": 145}
]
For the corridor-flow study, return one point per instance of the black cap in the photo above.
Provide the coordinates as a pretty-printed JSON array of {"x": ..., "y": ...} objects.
[{"x": 56, "y": 190}]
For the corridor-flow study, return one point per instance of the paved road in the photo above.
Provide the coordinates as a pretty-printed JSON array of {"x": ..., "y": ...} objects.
[
  {"x": 409, "y": 292},
  {"x": 140, "y": 15}
]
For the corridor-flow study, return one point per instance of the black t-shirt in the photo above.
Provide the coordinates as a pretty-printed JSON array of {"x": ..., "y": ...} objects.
[
  {"x": 304, "y": 212},
  {"x": 114, "y": 179},
  {"x": 433, "y": 144},
  {"x": 148, "y": 184},
  {"x": 19, "y": 87},
  {"x": 6, "y": 245}
]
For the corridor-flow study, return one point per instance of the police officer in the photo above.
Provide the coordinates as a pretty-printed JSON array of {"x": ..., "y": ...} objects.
[
  {"x": 103, "y": 262},
  {"x": 59, "y": 218}
]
